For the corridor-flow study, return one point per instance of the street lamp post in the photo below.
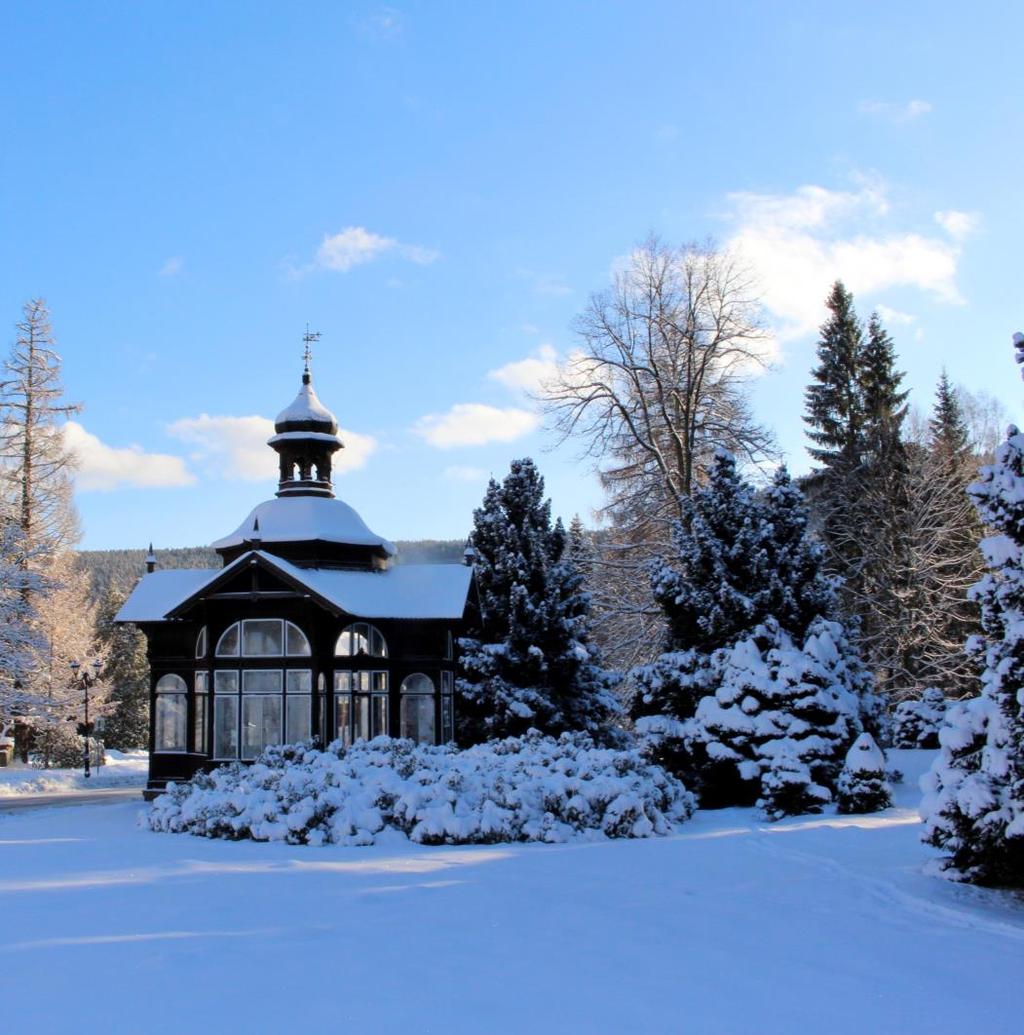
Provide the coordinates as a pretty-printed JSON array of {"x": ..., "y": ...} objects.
[{"x": 75, "y": 667}]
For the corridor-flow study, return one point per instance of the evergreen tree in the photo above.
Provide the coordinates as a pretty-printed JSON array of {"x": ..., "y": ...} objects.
[
  {"x": 126, "y": 672},
  {"x": 863, "y": 785},
  {"x": 917, "y": 721},
  {"x": 974, "y": 800},
  {"x": 531, "y": 663},
  {"x": 740, "y": 558},
  {"x": 782, "y": 715},
  {"x": 949, "y": 434}
]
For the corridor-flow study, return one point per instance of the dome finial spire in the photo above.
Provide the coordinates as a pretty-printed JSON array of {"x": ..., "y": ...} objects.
[{"x": 307, "y": 353}]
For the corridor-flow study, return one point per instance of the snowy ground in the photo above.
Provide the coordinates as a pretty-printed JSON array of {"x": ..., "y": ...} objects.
[
  {"x": 122, "y": 769},
  {"x": 823, "y": 924}
]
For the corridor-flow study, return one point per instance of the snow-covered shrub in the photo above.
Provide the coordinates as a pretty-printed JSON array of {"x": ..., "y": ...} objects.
[
  {"x": 916, "y": 722},
  {"x": 863, "y": 785},
  {"x": 787, "y": 788},
  {"x": 778, "y": 701},
  {"x": 530, "y": 788}
]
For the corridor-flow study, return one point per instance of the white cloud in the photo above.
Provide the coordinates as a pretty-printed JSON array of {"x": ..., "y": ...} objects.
[
  {"x": 528, "y": 374},
  {"x": 475, "y": 424},
  {"x": 100, "y": 467},
  {"x": 172, "y": 267},
  {"x": 800, "y": 243},
  {"x": 236, "y": 448},
  {"x": 958, "y": 225},
  {"x": 895, "y": 111},
  {"x": 355, "y": 245},
  {"x": 892, "y": 317},
  {"x": 462, "y": 473}
]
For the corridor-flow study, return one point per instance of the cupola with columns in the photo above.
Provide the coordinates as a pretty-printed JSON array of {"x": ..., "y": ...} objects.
[{"x": 305, "y": 439}]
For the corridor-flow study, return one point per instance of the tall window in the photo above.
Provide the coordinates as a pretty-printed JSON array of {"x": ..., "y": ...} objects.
[
  {"x": 171, "y": 724},
  {"x": 361, "y": 638},
  {"x": 202, "y": 701},
  {"x": 201, "y": 643},
  {"x": 447, "y": 707},
  {"x": 263, "y": 638},
  {"x": 360, "y": 706},
  {"x": 417, "y": 708}
]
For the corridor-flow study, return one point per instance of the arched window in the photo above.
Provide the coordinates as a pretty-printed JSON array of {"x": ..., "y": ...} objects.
[
  {"x": 361, "y": 638},
  {"x": 417, "y": 709},
  {"x": 201, "y": 643},
  {"x": 170, "y": 727},
  {"x": 263, "y": 638}
]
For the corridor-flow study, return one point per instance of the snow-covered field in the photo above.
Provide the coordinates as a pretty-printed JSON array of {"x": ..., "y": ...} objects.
[
  {"x": 820, "y": 924},
  {"x": 122, "y": 769}
]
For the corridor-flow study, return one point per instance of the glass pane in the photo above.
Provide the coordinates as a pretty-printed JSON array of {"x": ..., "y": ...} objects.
[
  {"x": 225, "y": 727},
  {"x": 225, "y": 681},
  {"x": 299, "y": 681},
  {"x": 447, "y": 718},
  {"x": 342, "y": 682},
  {"x": 417, "y": 683},
  {"x": 298, "y": 724},
  {"x": 378, "y": 648},
  {"x": 201, "y": 643},
  {"x": 261, "y": 681},
  {"x": 261, "y": 637},
  {"x": 360, "y": 638},
  {"x": 361, "y": 717},
  {"x": 446, "y": 682},
  {"x": 202, "y": 682},
  {"x": 343, "y": 718},
  {"x": 199, "y": 731},
  {"x": 170, "y": 722},
  {"x": 418, "y": 718},
  {"x": 379, "y": 682},
  {"x": 298, "y": 645},
  {"x": 380, "y": 715},
  {"x": 449, "y": 646},
  {"x": 261, "y": 723},
  {"x": 361, "y": 681},
  {"x": 343, "y": 648},
  {"x": 227, "y": 645},
  {"x": 171, "y": 684},
  {"x": 321, "y": 718}
]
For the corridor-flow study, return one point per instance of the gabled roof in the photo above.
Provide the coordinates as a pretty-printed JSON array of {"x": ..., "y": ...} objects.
[{"x": 409, "y": 591}]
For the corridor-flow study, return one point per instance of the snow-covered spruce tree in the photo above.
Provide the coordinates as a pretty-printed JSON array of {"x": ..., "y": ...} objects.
[
  {"x": 755, "y": 658},
  {"x": 917, "y": 721},
  {"x": 787, "y": 787},
  {"x": 862, "y": 784},
  {"x": 531, "y": 663},
  {"x": 973, "y": 806}
]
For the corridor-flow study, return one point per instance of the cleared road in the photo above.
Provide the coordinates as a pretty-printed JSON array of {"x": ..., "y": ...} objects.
[{"x": 108, "y": 796}]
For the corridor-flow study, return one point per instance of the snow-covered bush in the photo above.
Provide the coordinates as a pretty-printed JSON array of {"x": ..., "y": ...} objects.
[
  {"x": 778, "y": 702},
  {"x": 787, "y": 788},
  {"x": 530, "y": 788},
  {"x": 863, "y": 785},
  {"x": 916, "y": 722}
]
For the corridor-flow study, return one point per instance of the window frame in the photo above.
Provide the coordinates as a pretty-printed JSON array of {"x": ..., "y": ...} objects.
[{"x": 175, "y": 696}]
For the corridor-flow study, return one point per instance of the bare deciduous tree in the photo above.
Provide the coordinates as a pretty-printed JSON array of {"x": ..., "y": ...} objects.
[{"x": 657, "y": 383}]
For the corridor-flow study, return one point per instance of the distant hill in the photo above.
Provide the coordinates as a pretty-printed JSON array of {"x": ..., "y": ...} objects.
[{"x": 121, "y": 568}]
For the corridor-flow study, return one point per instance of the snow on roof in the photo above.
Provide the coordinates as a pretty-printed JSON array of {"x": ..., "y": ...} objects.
[
  {"x": 403, "y": 591},
  {"x": 406, "y": 591},
  {"x": 294, "y": 519},
  {"x": 307, "y": 407},
  {"x": 156, "y": 593},
  {"x": 303, "y": 436}
]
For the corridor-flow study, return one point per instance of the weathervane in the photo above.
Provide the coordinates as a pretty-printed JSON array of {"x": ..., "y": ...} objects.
[{"x": 307, "y": 353}]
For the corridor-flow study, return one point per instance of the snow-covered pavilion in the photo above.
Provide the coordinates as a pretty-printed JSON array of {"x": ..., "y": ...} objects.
[{"x": 308, "y": 629}]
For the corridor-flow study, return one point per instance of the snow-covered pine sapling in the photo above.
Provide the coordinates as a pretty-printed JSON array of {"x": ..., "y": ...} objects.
[
  {"x": 916, "y": 722},
  {"x": 862, "y": 784},
  {"x": 787, "y": 787}
]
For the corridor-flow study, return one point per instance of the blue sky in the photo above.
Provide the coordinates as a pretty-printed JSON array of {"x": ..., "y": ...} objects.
[{"x": 438, "y": 188}]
